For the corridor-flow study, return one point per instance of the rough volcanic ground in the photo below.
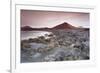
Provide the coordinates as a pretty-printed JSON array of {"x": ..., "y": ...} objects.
[{"x": 61, "y": 45}]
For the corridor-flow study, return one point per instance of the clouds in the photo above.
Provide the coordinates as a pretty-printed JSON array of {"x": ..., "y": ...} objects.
[{"x": 49, "y": 19}]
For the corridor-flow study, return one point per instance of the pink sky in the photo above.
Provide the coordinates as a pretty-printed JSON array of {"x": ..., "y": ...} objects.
[{"x": 38, "y": 19}]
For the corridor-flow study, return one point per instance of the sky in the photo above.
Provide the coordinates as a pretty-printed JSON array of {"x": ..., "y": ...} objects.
[{"x": 39, "y": 19}]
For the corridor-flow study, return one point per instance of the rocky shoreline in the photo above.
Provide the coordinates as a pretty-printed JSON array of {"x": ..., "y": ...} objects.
[{"x": 60, "y": 45}]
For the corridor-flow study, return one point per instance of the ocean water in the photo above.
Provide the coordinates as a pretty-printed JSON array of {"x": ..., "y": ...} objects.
[{"x": 32, "y": 34}]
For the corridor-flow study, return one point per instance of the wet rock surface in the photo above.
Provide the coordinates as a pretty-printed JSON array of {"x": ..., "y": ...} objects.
[{"x": 61, "y": 45}]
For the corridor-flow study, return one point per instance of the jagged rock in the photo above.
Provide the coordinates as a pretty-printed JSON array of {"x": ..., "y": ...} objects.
[{"x": 36, "y": 55}]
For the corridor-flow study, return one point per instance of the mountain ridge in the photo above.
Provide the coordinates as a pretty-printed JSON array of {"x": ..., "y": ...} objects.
[{"x": 63, "y": 25}]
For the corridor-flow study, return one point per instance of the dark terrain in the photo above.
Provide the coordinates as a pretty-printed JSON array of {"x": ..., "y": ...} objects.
[{"x": 66, "y": 43}]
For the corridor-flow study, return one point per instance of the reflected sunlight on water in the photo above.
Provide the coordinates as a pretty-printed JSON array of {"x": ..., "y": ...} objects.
[{"x": 32, "y": 34}]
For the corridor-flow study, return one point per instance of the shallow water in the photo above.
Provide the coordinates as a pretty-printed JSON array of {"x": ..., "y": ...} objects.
[{"x": 32, "y": 34}]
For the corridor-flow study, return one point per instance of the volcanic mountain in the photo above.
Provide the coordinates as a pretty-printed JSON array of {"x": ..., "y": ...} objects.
[{"x": 64, "y": 25}]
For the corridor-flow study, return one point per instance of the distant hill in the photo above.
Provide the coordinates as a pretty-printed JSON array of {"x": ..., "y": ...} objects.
[
  {"x": 26, "y": 28},
  {"x": 64, "y": 25}
]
